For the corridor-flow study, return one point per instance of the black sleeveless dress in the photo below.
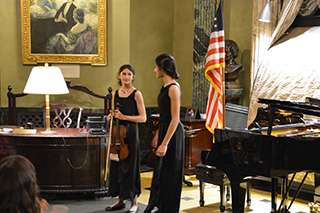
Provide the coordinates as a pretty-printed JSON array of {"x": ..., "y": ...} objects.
[
  {"x": 168, "y": 170},
  {"x": 125, "y": 179}
]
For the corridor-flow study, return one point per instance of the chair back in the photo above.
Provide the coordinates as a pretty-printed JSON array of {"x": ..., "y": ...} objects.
[
  {"x": 63, "y": 116},
  {"x": 12, "y": 111}
]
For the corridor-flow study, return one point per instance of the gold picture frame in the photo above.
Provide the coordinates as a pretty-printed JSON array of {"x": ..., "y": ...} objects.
[{"x": 92, "y": 50}]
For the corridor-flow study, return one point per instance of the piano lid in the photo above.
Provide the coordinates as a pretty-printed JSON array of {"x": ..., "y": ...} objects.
[
  {"x": 284, "y": 74},
  {"x": 309, "y": 108}
]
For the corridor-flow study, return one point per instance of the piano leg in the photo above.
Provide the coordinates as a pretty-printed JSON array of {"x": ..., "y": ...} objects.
[
  {"x": 249, "y": 186},
  {"x": 238, "y": 194},
  {"x": 222, "y": 198},
  {"x": 316, "y": 197},
  {"x": 201, "y": 185},
  {"x": 285, "y": 188},
  {"x": 285, "y": 194},
  {"x": 274, "y": 186}
]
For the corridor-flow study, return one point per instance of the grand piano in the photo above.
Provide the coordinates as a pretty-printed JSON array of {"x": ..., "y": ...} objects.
[{"x": 270, "y": 151}]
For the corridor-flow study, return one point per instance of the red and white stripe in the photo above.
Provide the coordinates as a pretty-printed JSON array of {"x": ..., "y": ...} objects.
[{"x": 214, "y": 73}]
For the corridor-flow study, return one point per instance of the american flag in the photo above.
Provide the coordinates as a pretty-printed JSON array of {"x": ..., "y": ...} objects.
[{"x": 214, "y": 72}]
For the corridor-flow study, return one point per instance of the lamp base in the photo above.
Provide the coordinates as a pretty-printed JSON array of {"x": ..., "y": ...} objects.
[{"x": 48, "y": 132}]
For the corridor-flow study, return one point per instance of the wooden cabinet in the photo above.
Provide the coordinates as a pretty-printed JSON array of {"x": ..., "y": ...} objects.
[{"x": 194, "y": 142}]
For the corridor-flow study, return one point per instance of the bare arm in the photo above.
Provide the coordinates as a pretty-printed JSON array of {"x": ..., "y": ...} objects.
[
  {"x": 174, "y": 95},
  {"x": 63, "y": 36}
]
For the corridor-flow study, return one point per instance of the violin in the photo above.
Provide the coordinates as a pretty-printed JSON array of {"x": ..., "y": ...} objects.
[{"x": 118, "y": 135}]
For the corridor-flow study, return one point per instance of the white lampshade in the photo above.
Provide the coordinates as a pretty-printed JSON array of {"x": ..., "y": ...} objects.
[
  {"x": 265, "y": 15},
  {"x": 46, "y": 80}
]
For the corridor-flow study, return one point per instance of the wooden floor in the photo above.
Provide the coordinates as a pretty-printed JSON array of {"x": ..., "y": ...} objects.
[{"x": 260, "y": 203}]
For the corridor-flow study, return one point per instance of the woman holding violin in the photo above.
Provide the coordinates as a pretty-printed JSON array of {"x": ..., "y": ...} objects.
[{"x": 130, "y": 112}]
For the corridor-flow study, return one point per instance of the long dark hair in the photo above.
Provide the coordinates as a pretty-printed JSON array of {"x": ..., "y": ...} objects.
[
  {"x": 168, "y": 64},
  {"x": 19, "y": 191},
  {"x": 126, "y": 66}
]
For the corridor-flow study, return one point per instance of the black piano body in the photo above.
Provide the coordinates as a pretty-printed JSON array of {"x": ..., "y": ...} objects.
[{"x": 245, "y": 153}]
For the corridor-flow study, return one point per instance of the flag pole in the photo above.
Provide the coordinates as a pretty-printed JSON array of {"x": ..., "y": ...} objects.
[
  {"x": 224, "y": 98},
  {"x": 223, "y": 85}
]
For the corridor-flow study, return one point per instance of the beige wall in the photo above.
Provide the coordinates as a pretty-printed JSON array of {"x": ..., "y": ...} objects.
[
  {"x": 151, "y": 34},
  {"x": 138, "y": 30},
  {"x": 98, "y": 79},
  {"x": 238, "y": 27},
  {"x": 183, "y": 46}
]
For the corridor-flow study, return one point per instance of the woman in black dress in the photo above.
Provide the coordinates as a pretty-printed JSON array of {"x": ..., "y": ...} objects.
[
  {"x": 168, "y": 142},
  {"x": 126, "y": 172}
]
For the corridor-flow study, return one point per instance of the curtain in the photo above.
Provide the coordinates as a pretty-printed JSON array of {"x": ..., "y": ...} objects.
[
  {"x": 264, "y": 36},
  {"x": 261, "y": 33},
  {"x": 287, "y": 16}
]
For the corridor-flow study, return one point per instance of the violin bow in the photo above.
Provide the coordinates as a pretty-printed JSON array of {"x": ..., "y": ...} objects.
[{"x": 107, "y": 170}]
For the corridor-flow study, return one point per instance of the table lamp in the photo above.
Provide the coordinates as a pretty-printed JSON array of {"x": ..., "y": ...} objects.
[{"x": 46, "y": 81}]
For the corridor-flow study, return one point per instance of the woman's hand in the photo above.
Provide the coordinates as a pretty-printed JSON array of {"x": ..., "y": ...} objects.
[
  {"x": 44, "y": 205},
  {"x": 119, "y": 115},
  {"x": 116, "y": 114},
  {"x": 162, "y": 150},
  {"x": 109, "y": 116}
]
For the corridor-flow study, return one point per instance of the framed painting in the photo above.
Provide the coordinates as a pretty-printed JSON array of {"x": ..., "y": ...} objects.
[{"x": 64, "y": 31}]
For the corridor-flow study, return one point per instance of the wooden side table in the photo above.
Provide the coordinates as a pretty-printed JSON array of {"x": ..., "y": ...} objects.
[{"x": 197, "y": 138}]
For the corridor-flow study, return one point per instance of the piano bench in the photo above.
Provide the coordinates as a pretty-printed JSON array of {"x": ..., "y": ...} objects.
[{"x": 212, "y": 175}]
